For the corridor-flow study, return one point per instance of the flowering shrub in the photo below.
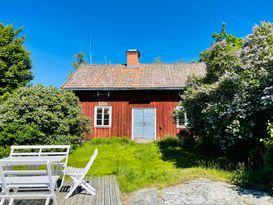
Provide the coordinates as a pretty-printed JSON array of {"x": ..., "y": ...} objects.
[{"x": 232, "y": 104}]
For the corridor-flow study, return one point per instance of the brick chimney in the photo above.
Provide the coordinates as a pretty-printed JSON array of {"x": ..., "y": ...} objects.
[{"x": 132, "y": 58}]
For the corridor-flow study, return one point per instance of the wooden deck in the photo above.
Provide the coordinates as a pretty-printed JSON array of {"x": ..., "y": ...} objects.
[{"x": 107, "y": 193}]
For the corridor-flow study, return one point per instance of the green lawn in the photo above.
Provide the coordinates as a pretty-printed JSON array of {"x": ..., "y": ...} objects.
[{"x": 142, "y": 165}]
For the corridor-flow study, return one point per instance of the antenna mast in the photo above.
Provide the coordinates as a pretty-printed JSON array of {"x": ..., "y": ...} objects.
[
  {"x": 105, "y": 59},
  {"x": 90, "y": 48}
]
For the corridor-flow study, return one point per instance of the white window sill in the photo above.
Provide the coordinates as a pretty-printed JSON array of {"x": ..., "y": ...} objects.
[
  {"x": 181, "y": 127},
  {"x": 102, "y": 126}
]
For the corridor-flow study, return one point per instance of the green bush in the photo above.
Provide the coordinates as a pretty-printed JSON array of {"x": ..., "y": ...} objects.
[
  {"x": 41, "y": 115},
  {"x": 262, "y": 176},
  {"x": 268, "y": 157},
  {"x": 231, "y": 105},
  {"x": 229, "y": 108},
  {"x": 4, "y": 151}
]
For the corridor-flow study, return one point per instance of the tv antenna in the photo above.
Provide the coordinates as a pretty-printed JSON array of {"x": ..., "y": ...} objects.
[
  {"x": 105, "y": 59},
  {"x": 90, "y": 48}
]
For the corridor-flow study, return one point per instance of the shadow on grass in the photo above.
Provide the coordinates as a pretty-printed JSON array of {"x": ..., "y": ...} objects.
[
  {"x": 172, "y": 150},
  {"x": 181, "y": 158}
]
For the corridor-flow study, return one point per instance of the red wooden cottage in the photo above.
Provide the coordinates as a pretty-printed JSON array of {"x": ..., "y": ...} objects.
[{"x": 134, "y": 100}]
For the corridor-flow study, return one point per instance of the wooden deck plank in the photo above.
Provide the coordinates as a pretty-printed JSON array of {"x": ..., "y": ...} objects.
[
  {"x": 92, "y": 200},
  {"x": 116, "y": 193},
  {"x": 107, "y": 196},
  {"x": 99, "y": 192},
  {"x": 107, "y": 193},
  {"x": 113, "y": 196}
]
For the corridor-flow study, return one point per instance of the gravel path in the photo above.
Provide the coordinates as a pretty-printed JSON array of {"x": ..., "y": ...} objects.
[{"x": 199, "y": 192}]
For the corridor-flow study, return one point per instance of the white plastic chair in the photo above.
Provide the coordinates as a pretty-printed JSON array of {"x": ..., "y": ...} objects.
[{"x": 78, "y": 174}]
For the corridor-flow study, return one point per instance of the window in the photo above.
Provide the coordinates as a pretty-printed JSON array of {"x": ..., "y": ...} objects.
[
  {"x": 103, "y": 94},
  {"x": 181, "y": 120},
  {"x": 103, "y": 116}
]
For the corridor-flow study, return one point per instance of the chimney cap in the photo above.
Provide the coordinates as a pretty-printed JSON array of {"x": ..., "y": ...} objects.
[{"x": 133, "y": 50}]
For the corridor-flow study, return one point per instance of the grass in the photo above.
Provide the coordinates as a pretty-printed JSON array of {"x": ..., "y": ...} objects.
[{"x": 144, "y": 165}]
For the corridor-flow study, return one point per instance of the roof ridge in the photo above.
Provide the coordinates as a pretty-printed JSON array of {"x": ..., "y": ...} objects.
[
  {"x": 103, "y": 64},
  {"x": 175, "y": 63}
]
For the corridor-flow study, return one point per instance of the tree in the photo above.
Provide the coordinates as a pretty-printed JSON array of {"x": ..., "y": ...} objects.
[
  {"x": 15, "y": 63},
  {"x": 232, "y": 106},
  {"x": 221, "y": 57},
  {"x": 224, "y": 36},
  {"x": 42, "y": 115},
  {"x": 233, "y": 103},
  {"x": 205, "y": 100},
  {"x": 79, "y": 59}
]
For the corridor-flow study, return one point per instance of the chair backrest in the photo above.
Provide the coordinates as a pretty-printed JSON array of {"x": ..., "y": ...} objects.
[
  {"x": 40, "y": 150},
  {"x": 90, "y": 163},
  {"x": 20, "y": 172}
]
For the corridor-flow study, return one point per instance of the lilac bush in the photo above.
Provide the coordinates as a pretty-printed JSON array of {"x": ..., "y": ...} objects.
[{"x": 232, "y": 104}]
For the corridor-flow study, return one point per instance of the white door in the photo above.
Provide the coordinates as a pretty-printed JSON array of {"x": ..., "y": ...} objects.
[{"x": 144, "y": 123}]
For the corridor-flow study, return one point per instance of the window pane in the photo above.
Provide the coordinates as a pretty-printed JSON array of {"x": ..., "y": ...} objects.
[
  {"x": 180, "y": 122},
  {"x": 99, "y": 122},
  {"x": 106, "y": 122},
  {"x": 99, "y": 116},
  {"x": 106, "y": 116},
  {"x": 106, "y": 110},
  {"x": 99, "y": 110}
]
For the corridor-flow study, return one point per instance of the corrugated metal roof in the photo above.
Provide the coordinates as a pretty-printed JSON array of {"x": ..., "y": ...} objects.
[{"x": 146, "y": 76}]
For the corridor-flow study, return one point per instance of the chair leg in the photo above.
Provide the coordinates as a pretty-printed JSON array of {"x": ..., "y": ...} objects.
[
  {"x": 90, "y": 187},
  {"x": 62, "y": 182},
  {"x": 2, "y": 201},
  {"x": 72, "y": 189},
  {"x": 47, "y": 201},
  {"x": 11, "y": 201},
  {"x": 54, "y": 200}
]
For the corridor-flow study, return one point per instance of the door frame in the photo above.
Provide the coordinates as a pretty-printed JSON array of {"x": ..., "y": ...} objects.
[{"x": 132, "y": 130}]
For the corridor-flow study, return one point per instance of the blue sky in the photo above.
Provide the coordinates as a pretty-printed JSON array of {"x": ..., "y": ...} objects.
[{"x": 173, "y": 29}]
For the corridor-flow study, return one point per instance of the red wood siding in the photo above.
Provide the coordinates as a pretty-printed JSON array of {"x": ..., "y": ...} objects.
[{"x": 123, "y": 102}]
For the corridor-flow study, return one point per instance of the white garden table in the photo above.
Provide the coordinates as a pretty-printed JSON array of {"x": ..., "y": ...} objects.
[{"x": 53, "y": 160}]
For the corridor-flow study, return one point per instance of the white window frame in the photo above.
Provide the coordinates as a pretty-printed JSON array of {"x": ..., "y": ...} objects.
[
  {"x": 110, "y": 116},
  {"x": 178, "y": 125}
]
